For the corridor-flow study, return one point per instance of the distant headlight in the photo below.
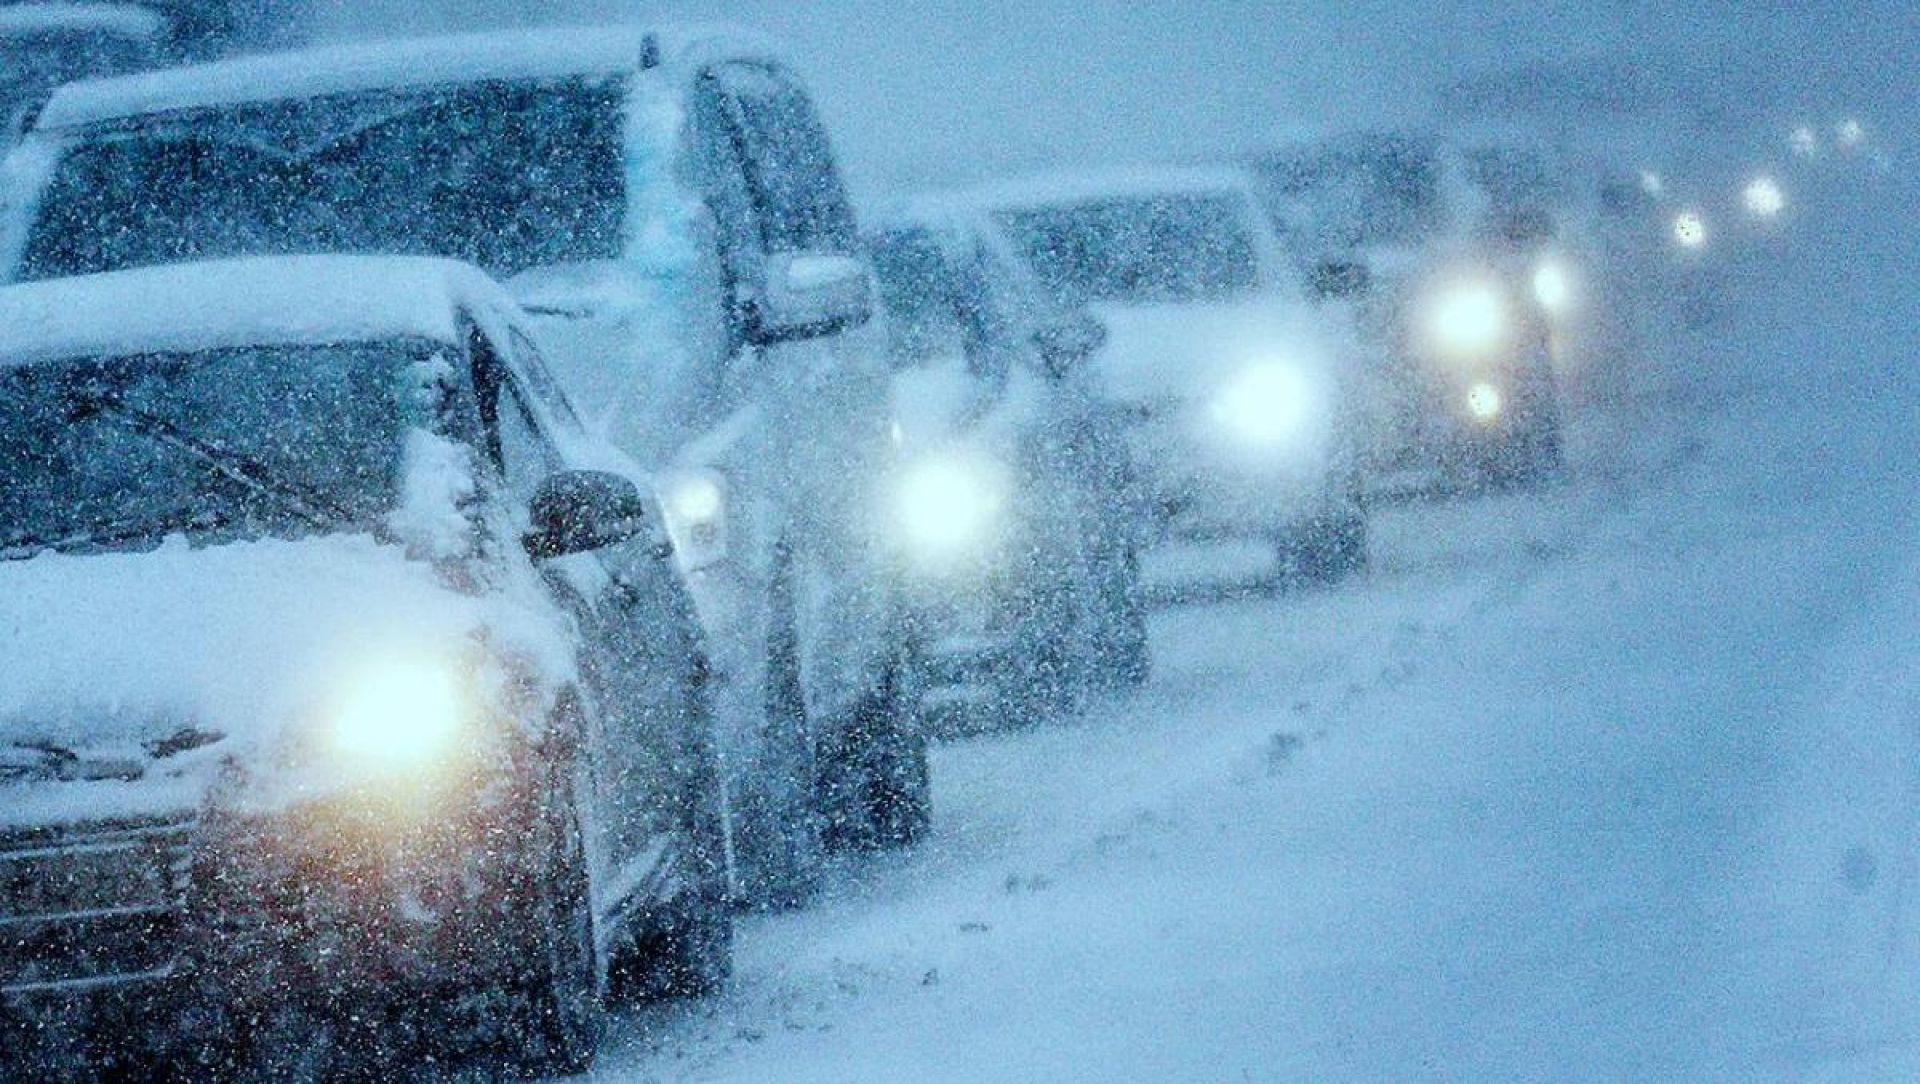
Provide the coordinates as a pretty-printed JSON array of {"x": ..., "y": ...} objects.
[
  {"x": 1268, "y": 404},
  {"x": 1485, "y": 402},
  {"x": 1764, "y": 198},
  {"x": 401, "y": 716},
  {"x": 1689, "y": 229},
  {"x": 1553, "y": 287},
  {"x": 947, "y": 506},
  {"x": 694, "y": 503},
  {"x": 1468, "y": 321}
]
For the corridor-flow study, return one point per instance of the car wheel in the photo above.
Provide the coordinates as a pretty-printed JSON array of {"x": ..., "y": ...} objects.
[
  {"x": 1327, "y": 550},
  {"x": 687, "y": 948},
  {"x": 557, "y": 1006},
  {"x": 778, "y": 845},
  {"x": 1122, "y": 657},
  {"x": 686, "y": 952},
  {"x": 876, "y": 786}
]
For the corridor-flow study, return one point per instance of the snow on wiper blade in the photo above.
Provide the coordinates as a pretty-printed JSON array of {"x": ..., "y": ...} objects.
[{"x": 22, "y": 547}]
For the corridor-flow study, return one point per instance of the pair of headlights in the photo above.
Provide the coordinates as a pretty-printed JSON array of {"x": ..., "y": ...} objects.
[{"x": 1472, "y": 319}]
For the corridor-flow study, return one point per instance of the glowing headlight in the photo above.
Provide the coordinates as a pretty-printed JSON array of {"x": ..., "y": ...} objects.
[
  {"x": 402, "y": 715},
  {"x": 1552, "y": 286},
  {"x": 1763, "y": 197},
  {"x": 695, "y": 506},
  {"x": 1689, "y": 229},
  {"x": 1469, "y": 321},
  {"x": 1484, "y": 402},
  {"x": 948, "y": 505},
  {"x": 1267, "y": 404}
]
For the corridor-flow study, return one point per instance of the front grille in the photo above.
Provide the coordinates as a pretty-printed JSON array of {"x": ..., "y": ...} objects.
[{"x": 92, "y": 907}]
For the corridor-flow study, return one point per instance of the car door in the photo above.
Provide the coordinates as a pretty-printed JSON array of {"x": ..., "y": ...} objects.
[
  {"x": 636, "y": 657},
  {"x": 822, "y": 401}
]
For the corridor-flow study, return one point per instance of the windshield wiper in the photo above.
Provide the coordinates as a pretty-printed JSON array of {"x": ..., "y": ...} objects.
[
  {"x": 248, "y": 472},
  {"x": 19, "y": 546}
]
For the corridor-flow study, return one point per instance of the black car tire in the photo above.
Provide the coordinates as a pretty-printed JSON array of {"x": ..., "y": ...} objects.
[
  {"x": 687, "y": 952},
  {"x": 876, "y": 786},
  {"x": 778, "y": 835}
]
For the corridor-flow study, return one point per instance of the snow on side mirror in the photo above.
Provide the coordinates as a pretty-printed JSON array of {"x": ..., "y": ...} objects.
[
  {"x": 809, "y": 295},
  {"x": 580, "y": 510}
]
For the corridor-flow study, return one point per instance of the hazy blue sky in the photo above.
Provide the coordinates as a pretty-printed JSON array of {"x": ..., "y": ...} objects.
[{"x": 937, "y": 91}]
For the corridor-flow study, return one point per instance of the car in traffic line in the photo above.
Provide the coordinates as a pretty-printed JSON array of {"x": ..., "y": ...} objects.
[
  {"x": 1458, "y": 267},
  {"x": 351, "y": 693},
  {"x": 1248, "y": 417},
  {"x": 667, "y": 206},
  {"x": 1016, "y": 501}
]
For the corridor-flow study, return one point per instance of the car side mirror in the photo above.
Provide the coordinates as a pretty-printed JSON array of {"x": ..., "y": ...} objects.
[
  {"x": 1331, "y": 279},
  {"x": 1064, "y": 344},
  {"x": 808, "y": 295},
  {"x": 580, "y": 510}
]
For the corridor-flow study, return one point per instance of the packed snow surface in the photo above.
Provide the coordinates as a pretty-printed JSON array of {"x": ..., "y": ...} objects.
[{"x": 1610, "y": 781}]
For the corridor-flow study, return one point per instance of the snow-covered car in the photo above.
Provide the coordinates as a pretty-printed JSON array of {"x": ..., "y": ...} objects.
[
  {"x": 1463, "y": 282},
  {"x": 43, "y": 45},
  {"x": 667, "y": 206},
  {"x": 1246, "y": 415},
  {"x": 347, "y": 690},
  {"x": 1015, "y": 505}
]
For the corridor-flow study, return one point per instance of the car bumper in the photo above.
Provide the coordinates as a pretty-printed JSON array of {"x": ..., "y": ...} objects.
[
  {"x": 116, "y": 924},
  {"x": 1197, "y": 488}
]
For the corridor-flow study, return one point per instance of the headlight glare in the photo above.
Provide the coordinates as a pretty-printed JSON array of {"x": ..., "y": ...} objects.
[
  {"x": 1485, "y": 402},
  {"x": 694, "y": 503},
  {"x": 1469, "y": 320},
  {"x": 1266, "y": 404},
  {"x": 1689, "y": 229},
  {"x": 1553, "y": 287},
  {"x": 948, "y": 505},
  {"x": 402, "y": 715}
]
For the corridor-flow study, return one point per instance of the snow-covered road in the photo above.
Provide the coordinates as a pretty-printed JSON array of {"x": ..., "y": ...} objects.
[{"x": 1608, "y": 782}]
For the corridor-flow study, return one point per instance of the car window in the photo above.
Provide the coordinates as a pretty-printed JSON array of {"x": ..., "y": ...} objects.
[
  {"x": 506, "y": 175},
  {"x": 1180, "y": 246},
  {"x": 796, "y": 189},
  {"x": 541, "y": 385},
  {"x": 728, "y": 197},
  {"x": 513, "y": 438}
]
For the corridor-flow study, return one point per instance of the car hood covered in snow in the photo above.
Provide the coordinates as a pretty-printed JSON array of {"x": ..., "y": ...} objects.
[
  {"x": 1176, "y": 352},
  {"x": 242, "y": 647}
]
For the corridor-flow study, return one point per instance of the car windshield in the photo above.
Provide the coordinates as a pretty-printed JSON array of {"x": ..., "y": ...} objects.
[
  {"x": 34, "y": 60},
  {"x": 117, "y": 453},
  {"x": 1140, "y": 249},
  {"x": 933, "y": 309},
  {"x": 505, "y": 175},
  {"x": 1385, "y": 193}
]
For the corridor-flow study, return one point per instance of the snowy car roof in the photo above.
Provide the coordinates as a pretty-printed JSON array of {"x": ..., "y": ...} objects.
[
  {"x": 270, "y": 301},
  {"x": 126, "y": 20},
  {"x": 1088, "y": 186},
  {"x": 398, "y": 63}
]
